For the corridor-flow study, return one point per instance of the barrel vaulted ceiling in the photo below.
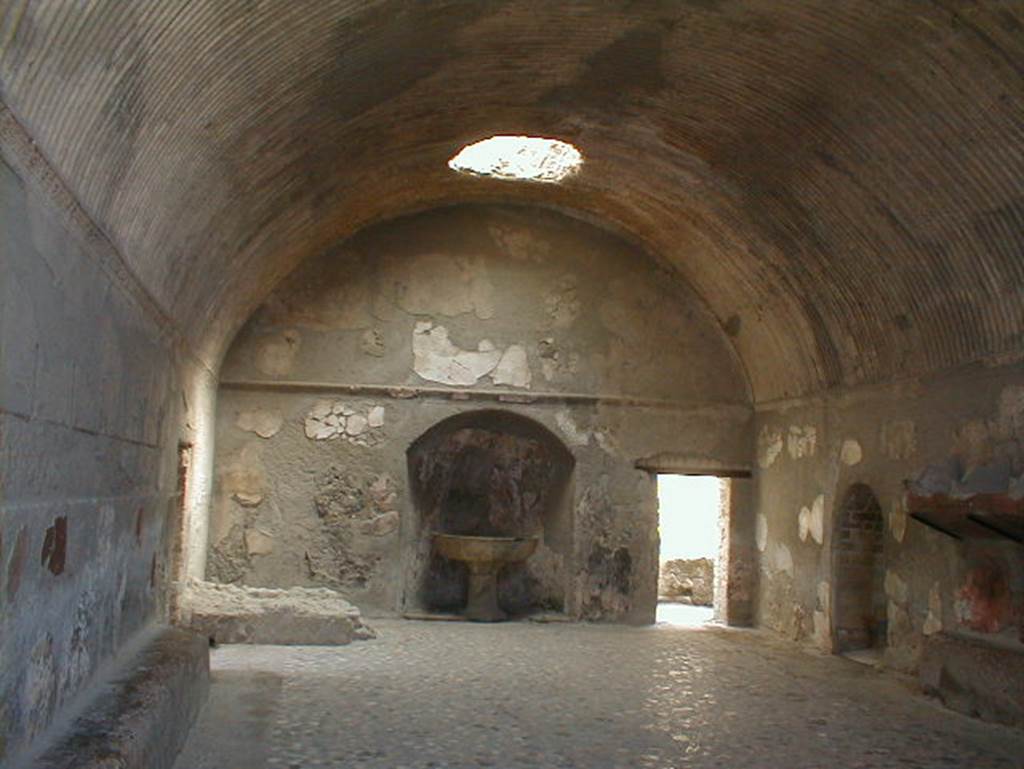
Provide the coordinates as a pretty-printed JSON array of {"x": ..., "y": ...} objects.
[{"x": 842, "y": 182}]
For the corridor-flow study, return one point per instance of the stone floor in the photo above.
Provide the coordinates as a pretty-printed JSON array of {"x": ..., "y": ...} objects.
[{"x": 450, "y": 694}]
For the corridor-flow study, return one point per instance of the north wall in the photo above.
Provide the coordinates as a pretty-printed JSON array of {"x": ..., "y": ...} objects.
[{"x": 364, "y": 349}]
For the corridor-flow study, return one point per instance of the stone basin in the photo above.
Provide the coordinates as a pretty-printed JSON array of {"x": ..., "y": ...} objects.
[{"x": 484, "y": 556}]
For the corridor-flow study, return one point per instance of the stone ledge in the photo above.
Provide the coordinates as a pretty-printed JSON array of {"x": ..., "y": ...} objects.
[
  {"x": 982, "y": 680},
  {"x": 141, "y": 718},
  {"x": 290, "y": 617}
]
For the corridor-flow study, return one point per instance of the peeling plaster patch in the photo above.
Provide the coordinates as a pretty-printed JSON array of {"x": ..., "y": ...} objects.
[
  {"x": 275, "y": 356},
  {"x": 606, "y": 441},
  {"x": 575, "y": 436},
  {"x": 825, "y": 596},
  {"x": 436, "y": 359},
  {"x": 265, "y": 423},
  {"x": 439, "y": 284},
  {"x": 513, "y": 369},
  {"x": 822, "y": 613},
  {"x": 562, "y": 302},
  {"x": 380, "y": 526},
  {"x": 761, "y": 532},
  {"x": 40, "y": 687},
  {"x": 258, "y": 542},
  {"x": 897, "y": 520},
  {"x": 851, "y": 453},
  {"x": 933, "y": 622},
  {"x": 802, "y": 441},
  {"x": 243, "y": 476},
  {"x": 769, "y": 446},
  {"x": 520, "y": 243},
  {"x": 1011, "y": 411},
  {"x": 899, "y": 439},
  {"x": 812, "y": 520},
  {"x": 554, "y": 361},
  {"x": 372, "y": 342},
  {"x": 896, "y": 588},
  {"x": 328, "y": 420}
]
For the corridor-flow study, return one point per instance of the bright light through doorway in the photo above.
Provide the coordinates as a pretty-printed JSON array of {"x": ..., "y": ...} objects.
[{"x": 688, "y": 511}]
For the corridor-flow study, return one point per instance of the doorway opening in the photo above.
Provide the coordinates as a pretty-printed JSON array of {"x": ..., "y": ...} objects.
[{"x": 691, "y": 536}]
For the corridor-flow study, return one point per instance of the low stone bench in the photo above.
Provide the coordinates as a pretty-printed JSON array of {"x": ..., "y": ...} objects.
[
  {"x": 975, "y": 677},
  {"x": 141, "y": 717}
]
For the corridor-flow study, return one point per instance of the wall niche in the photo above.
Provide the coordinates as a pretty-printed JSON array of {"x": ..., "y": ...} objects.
[{"x": 493, "y": 474}]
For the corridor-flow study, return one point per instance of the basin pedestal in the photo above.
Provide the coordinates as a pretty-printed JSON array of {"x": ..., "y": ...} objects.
[
  {"x": 484, "y": 557},
  {"x": 482, "y": 600}
]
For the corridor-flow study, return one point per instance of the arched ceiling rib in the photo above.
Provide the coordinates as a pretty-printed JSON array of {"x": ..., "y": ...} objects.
[{"x": 841, "y": 182}]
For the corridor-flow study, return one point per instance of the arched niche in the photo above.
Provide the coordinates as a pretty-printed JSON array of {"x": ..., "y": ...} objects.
[
  {"x": 489, "y": 473},
  {"x": 860, "y": 611}
]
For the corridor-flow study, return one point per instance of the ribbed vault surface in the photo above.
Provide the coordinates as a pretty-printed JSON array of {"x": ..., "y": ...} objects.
[{"x": 841, "y": 182}]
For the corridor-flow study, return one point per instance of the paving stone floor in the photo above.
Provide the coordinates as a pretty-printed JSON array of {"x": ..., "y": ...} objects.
[{"x": 452, "y": 694}]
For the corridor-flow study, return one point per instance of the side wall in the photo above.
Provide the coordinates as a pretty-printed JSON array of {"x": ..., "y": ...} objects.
[
  {"x": 361, "y": 351},
  {"x": 86, "y": 405},
  {"x": 967, "y": 423}
]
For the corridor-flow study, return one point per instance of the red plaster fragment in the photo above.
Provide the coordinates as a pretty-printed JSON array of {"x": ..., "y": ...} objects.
[{"x": 55, "y": 545}]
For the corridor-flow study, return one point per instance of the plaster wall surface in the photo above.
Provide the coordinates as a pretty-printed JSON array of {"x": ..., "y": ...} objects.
[
  {"x": 613, "y": 357},
  {"x": 964, "y": 424},
  {"x": 86, "y": 383}
]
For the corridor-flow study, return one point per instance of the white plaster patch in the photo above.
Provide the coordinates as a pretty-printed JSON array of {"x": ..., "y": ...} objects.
[
  {"x": 897, "y": 520},
  {"x": 275, "y": 356},
  {"x": 933, "y": 621},
  {"x": 896, "y": 588},
  {"x": 780, "y": 559},
  {"x": 899, "y": 439},
  {"x": 329, "y": 420},
  {"x": 761, "y": 532},
  {"x": 802, "y": 441},
  {"x": 817, "y": 523},
  {"x": 437, "y": 359},
  {"x": 851, "y": 453},
  {"x": 375, "y": 416},
  {"x": 769, "y": 446},
  {"x": 264, "y": 422},
  {"x": 811, "y": 520},
  {"x": 574, "y": 435},
  {"x": 513, "y": 369}
]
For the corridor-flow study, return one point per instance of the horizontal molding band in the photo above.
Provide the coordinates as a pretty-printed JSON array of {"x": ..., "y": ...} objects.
[{"x": 402, "y": 392}]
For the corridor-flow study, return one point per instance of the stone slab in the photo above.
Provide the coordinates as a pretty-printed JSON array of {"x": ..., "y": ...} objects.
[{"x": 295, "y": 616}]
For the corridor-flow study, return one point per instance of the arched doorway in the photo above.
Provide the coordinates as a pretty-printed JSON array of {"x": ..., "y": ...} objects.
[
  {"x": 489, "y": 473},
  {"x": 859, "y": 567}
]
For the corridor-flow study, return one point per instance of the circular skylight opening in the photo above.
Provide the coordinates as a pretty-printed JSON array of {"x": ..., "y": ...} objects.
[{"x": 525, "y": 158}]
